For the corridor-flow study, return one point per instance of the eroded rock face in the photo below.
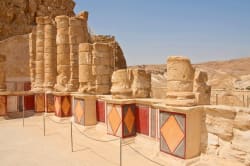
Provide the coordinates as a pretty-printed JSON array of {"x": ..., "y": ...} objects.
[
  {"x": 17, "y": 17},
  {"x": 131, "y": 83}
]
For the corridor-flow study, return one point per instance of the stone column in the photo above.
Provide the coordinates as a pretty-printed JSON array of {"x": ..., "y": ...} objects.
[
  {"x": 32, "y": 58},
  {"x": 63, "y": 53},
  {"x": 39, "y": 74},
  {"x": 2, "y": 73},
  {"x": 49, "y": 54},
  {"x": 141, "y": 85},
  {"x": 180, "y": 76},
  {"x": 102, "y": 68},
  {"x": 201, "y": 89},
  {"x": 121, "y": 84},
  {"x": 76, "y": 36},
  {"x": 85, "y": 63}
]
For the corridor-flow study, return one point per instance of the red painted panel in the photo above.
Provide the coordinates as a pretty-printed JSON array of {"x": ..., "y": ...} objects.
[
  {"x": 3, "y": 107},
  {"x": 142, "y": 119},
  {"x": 100, "y": 111},
  {"x": 27, "y": 86},
  {"x": 29, "y": 102}
]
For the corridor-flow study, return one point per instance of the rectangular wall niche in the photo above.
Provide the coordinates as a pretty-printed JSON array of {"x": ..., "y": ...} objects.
[
  {"x": 121, "y": 120},
  {"x": 173, "y": 133}
]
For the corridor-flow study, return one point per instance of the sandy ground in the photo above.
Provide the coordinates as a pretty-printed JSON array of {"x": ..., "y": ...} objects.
[{"x": 27, "y": 146}]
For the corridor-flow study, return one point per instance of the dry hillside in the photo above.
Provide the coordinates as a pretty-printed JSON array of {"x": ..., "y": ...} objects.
[{"x": 231, "y": 74}]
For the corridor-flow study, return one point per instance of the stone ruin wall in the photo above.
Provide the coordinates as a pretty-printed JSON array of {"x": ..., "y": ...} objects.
[
  {"x": 239, "y": 98},
  {"x": 226, "y": 133},
  {"x": 64, "y": 49}
]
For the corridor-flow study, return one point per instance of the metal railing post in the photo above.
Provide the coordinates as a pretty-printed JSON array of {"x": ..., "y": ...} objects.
[
  {"x": 71, "y": 133},
  {"x": 43, "y": 124},
  {"x": 120, "y": 151}
]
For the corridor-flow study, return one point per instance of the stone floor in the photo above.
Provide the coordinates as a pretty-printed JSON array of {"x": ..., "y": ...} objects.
[{"x": 26, "y": 146}]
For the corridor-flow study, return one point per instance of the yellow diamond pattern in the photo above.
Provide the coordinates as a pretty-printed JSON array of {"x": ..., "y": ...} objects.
[
  {"x": 79, "y": 111},
  {"x": 114, "y": 119},
  {"x": 57, "y": 105},
  {"x": 172, "y": 133},
  {"x": 65, "y": 105},
  {"x": 129, "y": 120}
]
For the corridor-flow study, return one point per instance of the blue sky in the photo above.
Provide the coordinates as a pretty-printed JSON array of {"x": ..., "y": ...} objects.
[{"x": 151, "y": 30}]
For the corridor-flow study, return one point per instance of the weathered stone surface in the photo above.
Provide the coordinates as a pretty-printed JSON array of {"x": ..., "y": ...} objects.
[
  {"x": 18, "y": 17},
  {"x": 228, "y": 98},
  {"x": 201, "y": 89},
  {"x": 16, "y": 51},
  {"x": 129, "y": 83},
  {"x": 179, "y": 69},
  {"x": 227, "y": 152},
  {"x": 242, "y": 119},
  {"x": 180, "y": 77},
  {"x": 221, "y": 111},
  {"x": 117, "y": 53},
  {"x": 220, "y": 126},
  {"x": 241, "y": 140}
]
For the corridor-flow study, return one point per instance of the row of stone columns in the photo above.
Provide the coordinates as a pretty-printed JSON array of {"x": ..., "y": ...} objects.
[{"x": 54, "y": 51}]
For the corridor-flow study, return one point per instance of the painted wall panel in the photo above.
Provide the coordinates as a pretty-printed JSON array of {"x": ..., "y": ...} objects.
[
  {"x": 12, "y": 103},
  {"x": 173, "y": 133},
  {"x": 100, "y": 111},
  {"x": 62, "y": 106},
  {"x": 39, "y": 102},
  {"x": 121, "y": 120},
  {"x": 3, "y": 105},
  {"x": 142, "y": 119}
]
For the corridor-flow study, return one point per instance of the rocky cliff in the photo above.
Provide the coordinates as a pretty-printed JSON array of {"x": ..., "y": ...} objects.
[{"x": 18, "y": 16}]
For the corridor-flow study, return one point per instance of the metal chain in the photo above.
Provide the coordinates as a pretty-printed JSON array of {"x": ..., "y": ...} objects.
[
  {"x": 149, "y": 159},
  {"x": 56, "y": 121},
  {"x": 95, "y": 138}
]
